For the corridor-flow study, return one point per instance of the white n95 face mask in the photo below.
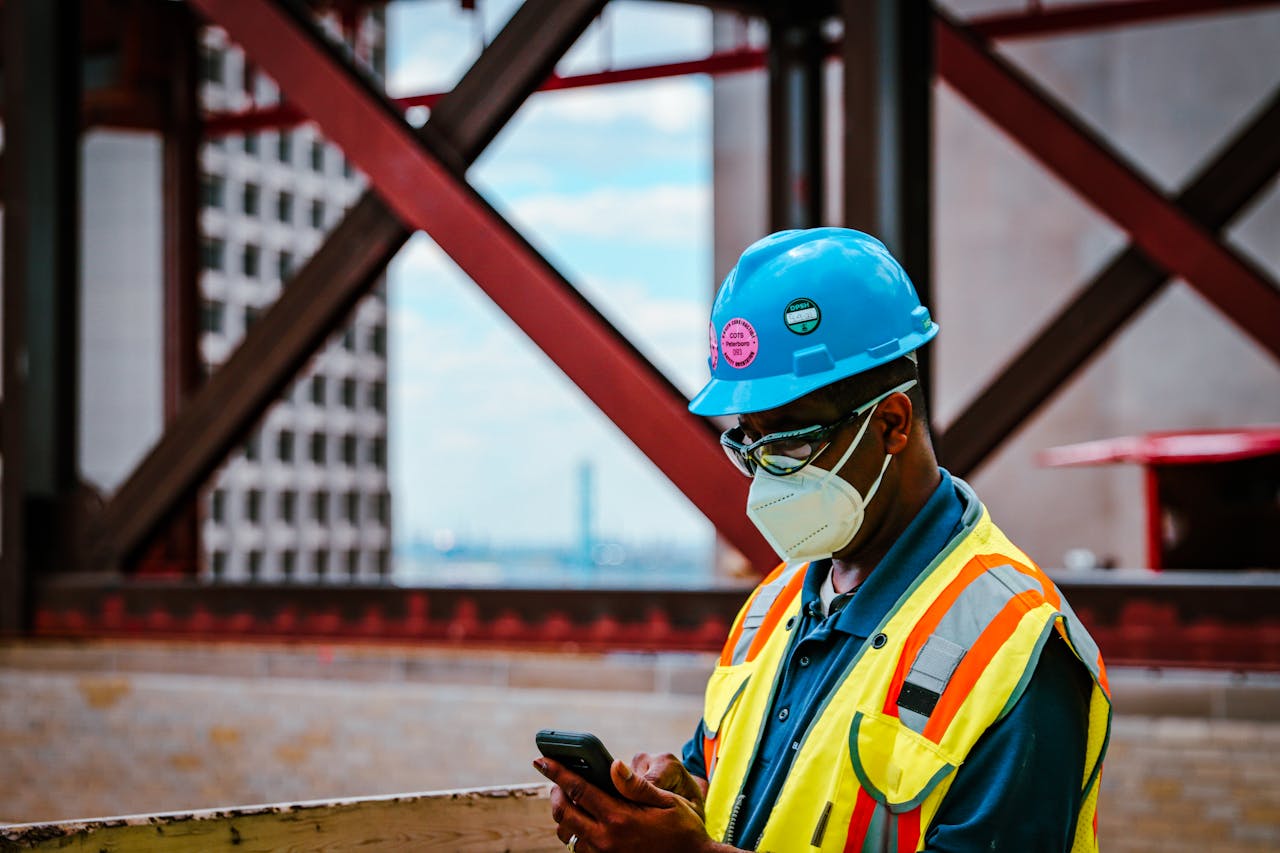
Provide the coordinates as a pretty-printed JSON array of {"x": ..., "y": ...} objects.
[{"x": 813, "y": 513}]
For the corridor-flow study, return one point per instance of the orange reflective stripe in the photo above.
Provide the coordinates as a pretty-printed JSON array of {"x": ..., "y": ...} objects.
[
  {"x": 909, "y": 831},
  {"x": 726, "y": 654},
  {"x": 774, "y": 616},
  {"x": 710, "y": 752},
  {"x": 863, "y": 807},
  {"x": 1102, "y": 676},
  {"x": 971, "y": 666},
  {"x": 925, "y": 627}
]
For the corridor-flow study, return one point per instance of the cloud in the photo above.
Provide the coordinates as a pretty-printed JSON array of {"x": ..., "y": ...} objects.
[
  {"x": 663, "y": 214},
  {"x": 678, "y": 105}
]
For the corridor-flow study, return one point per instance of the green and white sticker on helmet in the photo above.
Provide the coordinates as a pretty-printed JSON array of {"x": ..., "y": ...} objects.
[{"x": 802, "y": 316}]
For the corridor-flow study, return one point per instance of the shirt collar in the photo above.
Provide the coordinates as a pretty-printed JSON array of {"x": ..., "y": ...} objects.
[{"x": 937, "y": 522}]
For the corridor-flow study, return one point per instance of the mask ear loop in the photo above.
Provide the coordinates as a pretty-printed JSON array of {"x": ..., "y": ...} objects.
[{"x": 857, "y": 439}]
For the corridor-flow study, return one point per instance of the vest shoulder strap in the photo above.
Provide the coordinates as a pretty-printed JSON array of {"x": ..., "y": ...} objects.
[{"x": 762, "y": 613}]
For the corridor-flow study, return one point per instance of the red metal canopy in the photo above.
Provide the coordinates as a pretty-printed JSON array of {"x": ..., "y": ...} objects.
[{"x": 1169, "y": 448}]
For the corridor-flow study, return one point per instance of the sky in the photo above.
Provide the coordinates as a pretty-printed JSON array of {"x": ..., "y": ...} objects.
[{"x": 613, "y": 186}]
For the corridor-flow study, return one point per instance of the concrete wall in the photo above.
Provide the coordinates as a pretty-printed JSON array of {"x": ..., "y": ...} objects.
[
  {"x": 1012, "y": 245},
  {"x": 116, "y": 728}
]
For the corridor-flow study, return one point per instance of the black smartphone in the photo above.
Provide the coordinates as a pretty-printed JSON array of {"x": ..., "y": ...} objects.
[{"x": 581, "y": 752}]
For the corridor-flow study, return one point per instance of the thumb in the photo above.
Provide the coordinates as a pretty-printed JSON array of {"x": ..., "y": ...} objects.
[{"x": 638, "y": 789}]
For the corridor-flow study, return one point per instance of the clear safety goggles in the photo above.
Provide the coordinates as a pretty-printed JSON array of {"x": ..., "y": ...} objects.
[{"x": 782, "y": 453}]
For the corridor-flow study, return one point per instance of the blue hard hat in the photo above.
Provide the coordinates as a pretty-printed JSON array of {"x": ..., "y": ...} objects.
[{"x": 804, "y": 309}]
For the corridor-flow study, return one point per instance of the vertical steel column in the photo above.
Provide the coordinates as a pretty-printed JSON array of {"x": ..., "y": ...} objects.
[
  {"x": 796, "y": 176},
  {"x": 888, "y": 134},
  {"x": 41, "y": 251},
  {"x": 182, "y": 135}
]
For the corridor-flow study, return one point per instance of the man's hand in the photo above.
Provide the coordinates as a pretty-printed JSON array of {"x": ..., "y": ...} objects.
[
  {"x": 668, "y": 773},
  {"x": 647, "y": 818}
]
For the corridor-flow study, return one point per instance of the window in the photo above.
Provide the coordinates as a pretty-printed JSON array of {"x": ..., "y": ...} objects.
[
  {"x": 284, "y": 266},
  {"x": 219, "y": 564},
  {"x": 284, "y": 206},
  {"x": 253, "y": 505},
  {"x": 212, "y": 65},
  {"x": 349, "y": 455},
  {"x": 213, "y": 254},
  {"x": 317, "y": 390},
  {"x": 212, "y": 316},
  {"x": 284, "y": 445},
  {"x": 320, "y": 507},
  {"x": 349, "y": 340},
  {"x": 218, "y": 506},
  {"x": 378, "y": 59},
  {"x": 251, "y": 261},
  {"x": 320, "y": 562},
  {"x": 348, "y": 171},
  {"x": 378, "y": 452},
  {"x": 248, "y": 77},
  {"x": 251, "y": 199},
  {"x": 317, "y": 156},
  {"x": 378, "y": 395},
  {"x": 353, "y": 562},
  {"x": 317, "y": 213},
  {"x": 255, "y": 564},
  {"x": 251, "y": 144},
  {"x": 378, "y": 340},
  {"x": 317, "y": 447},
  {"x": 212, "y": 190},
  {"x": 288, "y": 563},
  {"x": 381, "y": 507},
  {"x": 349, "y": 389},
  {"x": 351, "y": 507},
  {"x": 251, "y": 448},
  {"x": 284, "y": 146},
  {"x": 288, "y": 506},
  {"x": 384, "y": 562},
  {"x": 250, "y": 316}
]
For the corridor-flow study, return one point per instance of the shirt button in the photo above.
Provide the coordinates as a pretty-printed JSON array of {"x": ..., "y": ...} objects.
[
  {"x": 804, "y": 661},
  {"x": 783, "y": 714}
]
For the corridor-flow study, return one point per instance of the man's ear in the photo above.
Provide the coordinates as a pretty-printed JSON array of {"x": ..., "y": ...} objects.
[{"x": 894, "y": 420}]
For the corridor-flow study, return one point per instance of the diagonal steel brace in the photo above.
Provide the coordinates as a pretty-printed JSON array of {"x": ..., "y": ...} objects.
[
  {"x": 1098, "y": 173},
  {"x": 419, "y": 177},
  {"x": 1065, "y": 345}
]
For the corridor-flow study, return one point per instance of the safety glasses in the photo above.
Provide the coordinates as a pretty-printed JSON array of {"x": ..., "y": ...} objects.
[{"x": 783, "y": 453}]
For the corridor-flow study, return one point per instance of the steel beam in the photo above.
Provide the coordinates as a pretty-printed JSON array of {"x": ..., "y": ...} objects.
[
  {"x": 1101, "y": 175},
  {"x": 1207, "y": 619},
  {"x": 41, "y": 289},
  {"x": 1069, "y": 18},
  {"x": 321, "y": 295},
  {"x": 1066, "y": 344},
  {"x": 888, "y": 134},
  {"x": 420, "y": 177},
  {"x": 796, "y": 175},
  {"x": 287, "y": 115}
]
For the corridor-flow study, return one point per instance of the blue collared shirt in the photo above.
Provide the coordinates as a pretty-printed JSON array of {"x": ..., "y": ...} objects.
[{"x": 1011, "y": 792}]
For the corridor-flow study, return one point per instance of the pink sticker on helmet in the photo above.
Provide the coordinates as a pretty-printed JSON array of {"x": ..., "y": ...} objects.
[
  {"x": 715, "y": 348},
  {"x": 739, "y": 342}
]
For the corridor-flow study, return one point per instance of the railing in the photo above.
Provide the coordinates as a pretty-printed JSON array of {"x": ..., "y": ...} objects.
[{"x": 480, "y": 819}]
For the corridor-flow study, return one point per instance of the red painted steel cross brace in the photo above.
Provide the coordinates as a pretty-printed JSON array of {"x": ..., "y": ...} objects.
[
  {"x": 1102, "y": 177},
  {"x": 425, "y": 194}
]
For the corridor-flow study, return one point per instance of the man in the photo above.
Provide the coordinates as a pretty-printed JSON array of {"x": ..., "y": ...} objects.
[{"x": 907, "y": 679}]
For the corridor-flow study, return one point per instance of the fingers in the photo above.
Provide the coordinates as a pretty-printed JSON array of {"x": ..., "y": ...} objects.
[
  {"x": 583, "y": 796},
  {"x": 639, "y": 789}
]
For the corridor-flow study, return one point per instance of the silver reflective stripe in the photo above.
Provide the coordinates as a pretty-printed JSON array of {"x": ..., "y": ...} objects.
[
  {"x": 759, "y": 609},
  {"x": 956, "y": 633}
]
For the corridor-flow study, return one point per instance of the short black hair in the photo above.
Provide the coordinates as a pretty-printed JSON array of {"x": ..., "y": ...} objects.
[{"x": 853, "y": 391}]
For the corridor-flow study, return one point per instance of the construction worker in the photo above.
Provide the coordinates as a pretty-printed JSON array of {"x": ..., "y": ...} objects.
[{"x": 907, "y": 679}]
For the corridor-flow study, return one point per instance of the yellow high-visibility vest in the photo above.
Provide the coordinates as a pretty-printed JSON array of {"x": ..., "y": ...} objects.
[{"x": 950, "y": 659}]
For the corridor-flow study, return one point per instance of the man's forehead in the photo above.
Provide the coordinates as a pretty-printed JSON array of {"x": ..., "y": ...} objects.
[{"x": 815, "y": 408}]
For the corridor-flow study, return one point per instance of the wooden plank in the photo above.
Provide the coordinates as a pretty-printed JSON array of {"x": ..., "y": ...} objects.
[{"x": 482, "y": 819}]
